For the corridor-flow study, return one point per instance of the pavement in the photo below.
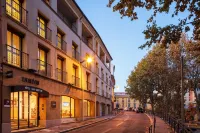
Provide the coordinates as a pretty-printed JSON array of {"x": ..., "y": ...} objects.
[
  {"x": 128, "y": 122},
  {"x": 161, "y": 126}
]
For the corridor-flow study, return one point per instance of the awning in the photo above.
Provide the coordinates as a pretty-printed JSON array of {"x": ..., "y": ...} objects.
[{"x": 41, "y": 92}]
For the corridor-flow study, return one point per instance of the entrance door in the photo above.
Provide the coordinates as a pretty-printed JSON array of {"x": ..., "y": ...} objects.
[{"x": 24, "y": 109}]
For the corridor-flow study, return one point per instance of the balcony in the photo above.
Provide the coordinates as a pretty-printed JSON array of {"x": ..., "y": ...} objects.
[
  {"x": 68, "y": 16},
  {"x": 97, "y": 70},
  {"x": 87, "y": 42},
  {"x": 16, "y": 57},
  {"x": 17, "y": 12},
  {"x": 61, "y": 75},
  {"x": 76, "y": 55},
  {"x": 88, "y": 86},
  {"x": 44, "y": 31},
  {"x": 97, "y": 90},
  {"x": 75, "y": 81},
  {"x": 44, "y": 68},
  {"x": 61, "y": 44},
  {"x": 102, "y": 76}
]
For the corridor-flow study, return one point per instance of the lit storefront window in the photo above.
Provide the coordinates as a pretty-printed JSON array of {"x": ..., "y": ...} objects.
[
  {"x": 87, "y": 108},
  {"x": 67, "y": 110}
]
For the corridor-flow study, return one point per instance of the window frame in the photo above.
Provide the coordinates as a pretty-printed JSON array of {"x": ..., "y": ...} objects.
[{"x": 70, "y": 107}]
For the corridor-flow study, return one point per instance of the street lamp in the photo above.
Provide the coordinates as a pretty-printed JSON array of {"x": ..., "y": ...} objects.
[
  {"x": 88, "y": 60},
  {"x": 156, "y": 94}
]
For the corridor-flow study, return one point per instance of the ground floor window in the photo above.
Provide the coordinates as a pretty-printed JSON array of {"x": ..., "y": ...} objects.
[
  {"x": 24, "y": 109},
  {"x": 86, "y": 110},
  {"x": 68, "y": 107}
]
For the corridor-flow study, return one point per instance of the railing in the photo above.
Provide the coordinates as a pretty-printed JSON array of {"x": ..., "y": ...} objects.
[
  {"x": 16, "y": 11},
  {"x": 76, "y": 55},
  {"x": 44, "y": 68},
  {"x": 102, "y": 76},
  {"x": 62, "y": 44},
  {"x": 90, "y": 45},
  {"x": 71, "y": 25},
  {"x": 88, "y": 86},
  {"x": 16, "y": 57},
  {"x": 61, "y": 75},
  {"x": 151, "y": 129},
  {"x": 43, "y": 30},
  {"x": 97, "y": 90},
  {"x": 177, "y": 125},
  {"x": 75, "y": 81},
  {"x": 97, "y": 70}
]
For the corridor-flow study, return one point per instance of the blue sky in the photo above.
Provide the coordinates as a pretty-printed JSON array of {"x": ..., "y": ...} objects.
[{"x": 122, "y": 37}]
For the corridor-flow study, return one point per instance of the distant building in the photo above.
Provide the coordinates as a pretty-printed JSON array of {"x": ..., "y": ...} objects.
[
  {"x": 124, "y": 101},
  {"x": 190, "y": 98}
]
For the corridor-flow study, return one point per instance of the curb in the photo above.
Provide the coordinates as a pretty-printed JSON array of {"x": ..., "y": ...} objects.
[{"x": 87, "y": 125}]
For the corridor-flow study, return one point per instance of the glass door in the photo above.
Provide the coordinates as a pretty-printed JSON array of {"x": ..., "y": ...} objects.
[
  {"x": 14, "y": 110},
  {"x": 23, "y": 109},
  {"x": 33, "y": 109}
]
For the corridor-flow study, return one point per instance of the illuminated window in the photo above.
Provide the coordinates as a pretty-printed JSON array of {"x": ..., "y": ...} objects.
[
  {"x": 59, "y": 37},
  {"x": 13, "y": 49},
  {"x": 42, "y": 58},
  {"x": 68, "y": 105},
  {"x": 59, "y": 69},
  {"x": 13, "y": 9},
  {"x": 42, "y": 27},
  {"x": 87, "y": 107}
]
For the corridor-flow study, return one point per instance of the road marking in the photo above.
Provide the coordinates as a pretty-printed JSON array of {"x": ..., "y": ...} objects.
[
  {"x": 119, "y": 124},
  {"x": 107, "y": 130}
]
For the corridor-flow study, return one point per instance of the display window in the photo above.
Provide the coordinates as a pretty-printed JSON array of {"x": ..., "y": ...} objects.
[
  {"x": 86, "y": 110},
  {"x": 68, "y": 107}
]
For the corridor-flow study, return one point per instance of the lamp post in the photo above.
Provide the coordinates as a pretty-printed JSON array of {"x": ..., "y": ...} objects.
[
  {"x": 88, "y": 60},
  {"x": 155, "y": 94}
]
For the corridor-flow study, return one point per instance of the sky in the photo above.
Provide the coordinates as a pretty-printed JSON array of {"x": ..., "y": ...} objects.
[{"x": 122, "y": 37}]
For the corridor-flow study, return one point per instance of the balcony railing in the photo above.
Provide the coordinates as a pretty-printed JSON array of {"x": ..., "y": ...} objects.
[
  {"x": 76, "y": 55},
  {"x": 97, "y": 90},
  {"x": 71, "y": 25},
  {"x": 17, "y": 12},
  {"x": 75, "y": 81},
  {"x": 97, "y": 70},
  {"x": 16, "y": 57},
  {"x": 44, "y": 68},
  {"x": 102, "y": 76},
  {"x": 88, "y": 86},
  {"x": 44, "y": 31},
  {"x": 61, "y": 44},
  {"x": 61, "y": 75}
]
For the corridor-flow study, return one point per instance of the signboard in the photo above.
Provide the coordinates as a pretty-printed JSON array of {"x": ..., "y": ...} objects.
[
  {"x": 53, "y": 104},
  {"x": 6, "y": 103},
  {"x": 31, "y": 81}
]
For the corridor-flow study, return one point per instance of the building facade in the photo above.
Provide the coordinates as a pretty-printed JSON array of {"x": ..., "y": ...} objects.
[
  {"x": 125, "y": 102},
  {"x": 45, "y": 78}
]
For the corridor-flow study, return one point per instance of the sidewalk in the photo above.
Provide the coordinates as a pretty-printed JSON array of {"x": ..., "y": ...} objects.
[
  {"x": 72, "y": 126},
  {"x": 161, "y": 126}
]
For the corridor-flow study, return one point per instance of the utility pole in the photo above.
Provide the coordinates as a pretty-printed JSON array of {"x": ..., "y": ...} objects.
[{"x": 182, "y": 90}]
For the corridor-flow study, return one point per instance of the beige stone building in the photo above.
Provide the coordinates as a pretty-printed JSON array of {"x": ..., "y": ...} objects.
[
  {"x": 124, "y": 101},
  {"x": 45, "y": 76}
]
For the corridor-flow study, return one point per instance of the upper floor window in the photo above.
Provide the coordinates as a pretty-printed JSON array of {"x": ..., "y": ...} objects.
[
  {"x": 59, "y": 71},
  {"x": 13, "y": 9},
  {"x": 88, "y": 84},
  {"x": 42, "y": 27},
  {"x": 75, "y": 78},
  {"x": 59, "y": 40},
  {"x": 13, "y": 49},
  {"x": 75, "y": 53},
  {"x": 97, "y": 48}
]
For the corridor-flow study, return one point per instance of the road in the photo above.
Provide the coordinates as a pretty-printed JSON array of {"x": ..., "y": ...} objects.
[{"x": 129, "y": 122}]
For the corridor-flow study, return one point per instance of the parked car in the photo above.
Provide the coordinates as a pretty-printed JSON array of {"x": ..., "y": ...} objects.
[{"x": 139, "y": 110}]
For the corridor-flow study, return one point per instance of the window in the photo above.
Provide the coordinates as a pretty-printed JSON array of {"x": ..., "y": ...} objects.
[
  {"x": 75, "y": 76},
  {"x": 88, "y": 84},
  {"x": 59, "y": 39},
  {"x": 60, "y": 69},
  {"x": 42, "y": 27},
  {"x": 68, "y": 106},
  {"x": 42, "y": 59},
  {"x": 75, "y": 53},
  {"x": 13, "y": 9},
  {"x": 87, "y": 108},
  {"x": 13, "y": 49},
  {"x": 97, "y": 49},
  {"x": 88, "y": 65}
]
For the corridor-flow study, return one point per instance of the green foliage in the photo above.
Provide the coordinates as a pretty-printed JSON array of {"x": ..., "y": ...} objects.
[{"x": 170, "y": 33}]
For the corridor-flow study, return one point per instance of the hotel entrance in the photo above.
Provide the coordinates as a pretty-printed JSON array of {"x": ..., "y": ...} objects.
[{"x": 24, "y": 109}]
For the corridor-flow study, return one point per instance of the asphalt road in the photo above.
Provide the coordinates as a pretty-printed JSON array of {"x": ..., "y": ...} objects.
[{"x": 129, "y": 122}]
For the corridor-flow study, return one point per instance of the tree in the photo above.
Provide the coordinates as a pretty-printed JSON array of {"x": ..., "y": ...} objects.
[{"x": 170, "y": 33}]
